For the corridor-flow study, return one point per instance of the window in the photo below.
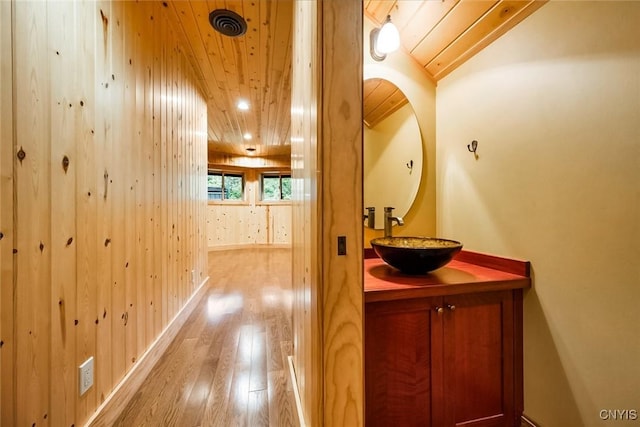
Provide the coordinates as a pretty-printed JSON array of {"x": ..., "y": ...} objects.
[
  {"x": 225, "y": 186},
  {"x": 276, "y": 186}
]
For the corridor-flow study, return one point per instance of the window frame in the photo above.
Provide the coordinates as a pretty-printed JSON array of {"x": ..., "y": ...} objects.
[
  {"x": 222, "y": 174},
  {"x": 274, "y": 174}
]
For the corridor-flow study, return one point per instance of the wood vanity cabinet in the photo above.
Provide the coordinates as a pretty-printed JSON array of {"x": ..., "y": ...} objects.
[{"x": 444, "y": 360}]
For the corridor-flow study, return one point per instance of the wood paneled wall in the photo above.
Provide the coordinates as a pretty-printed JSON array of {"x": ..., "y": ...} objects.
[
  {"x": 232, "y": 226},
  {"x": 250, "y": 222},
  {"x": 327, "y": 186},
  {"x": 106, "y": 166}
]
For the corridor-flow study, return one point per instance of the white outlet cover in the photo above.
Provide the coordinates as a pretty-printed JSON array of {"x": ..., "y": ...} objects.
[{"x": 85, "y": 375}]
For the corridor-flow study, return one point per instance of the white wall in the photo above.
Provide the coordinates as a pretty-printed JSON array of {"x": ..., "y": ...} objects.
[{"x": 555, "y": 106}]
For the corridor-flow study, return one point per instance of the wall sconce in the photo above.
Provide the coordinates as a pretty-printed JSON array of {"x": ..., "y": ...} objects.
[{"x": 384, "y": 40}]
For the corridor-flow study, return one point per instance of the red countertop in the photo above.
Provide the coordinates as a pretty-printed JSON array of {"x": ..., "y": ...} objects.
[{"x": 469, "y": 272}]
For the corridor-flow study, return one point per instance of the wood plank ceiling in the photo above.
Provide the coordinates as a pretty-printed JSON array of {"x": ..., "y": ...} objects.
[{"x": 256, "y": 67}]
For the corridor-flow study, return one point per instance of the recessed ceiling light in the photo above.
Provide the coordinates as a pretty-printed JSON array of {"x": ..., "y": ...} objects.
[
  {"x": 247, "y": 136},
  {"x": 243, "y": 105}
]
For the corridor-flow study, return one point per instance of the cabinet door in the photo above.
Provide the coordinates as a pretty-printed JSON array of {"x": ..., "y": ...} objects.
[
  {"x": 399, "y": 337},
  {"x": 479, "y": 374}
]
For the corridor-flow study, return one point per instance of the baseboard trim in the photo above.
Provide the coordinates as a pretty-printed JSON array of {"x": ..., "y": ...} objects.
[
  {"x": 114, "y": 404},
  {"x": 526, "y": 422},
  {"x": 296, "y": 392}
]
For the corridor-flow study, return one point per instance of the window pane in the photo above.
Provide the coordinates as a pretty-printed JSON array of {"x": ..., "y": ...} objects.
[
  {"x": 214, "y": 186},
  {"x": 214, "y": 180},
  {"x": 233, "y": 187},
  {"x": 286, "y": 187},
  {"x": 270, "y": 188}
]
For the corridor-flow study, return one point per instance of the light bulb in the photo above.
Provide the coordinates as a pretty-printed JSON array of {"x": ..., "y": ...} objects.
[{"x": 388, "y": 38}]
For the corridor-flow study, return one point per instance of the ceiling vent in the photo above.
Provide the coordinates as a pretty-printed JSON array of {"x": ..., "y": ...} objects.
[{"x": 228, "y": 22}]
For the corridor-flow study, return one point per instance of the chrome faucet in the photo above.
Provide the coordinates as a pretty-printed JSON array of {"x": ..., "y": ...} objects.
[
  {"x": 371, "y": 217},
  {"x": 388, "y": 221}
]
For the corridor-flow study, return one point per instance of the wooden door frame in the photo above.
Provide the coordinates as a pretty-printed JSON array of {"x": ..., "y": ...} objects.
[{"x": 327, "y": 163}]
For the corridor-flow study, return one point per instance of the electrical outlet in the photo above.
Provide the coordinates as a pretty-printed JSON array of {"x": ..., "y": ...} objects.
[
  {"x": 85, "y": 375},
  {"x": 193, "y": 277}
]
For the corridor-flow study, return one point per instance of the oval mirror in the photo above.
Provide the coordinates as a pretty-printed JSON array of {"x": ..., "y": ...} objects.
[{"x": 392, "y": 150}]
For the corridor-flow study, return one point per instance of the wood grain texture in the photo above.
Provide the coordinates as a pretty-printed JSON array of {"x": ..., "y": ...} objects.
[
  {"x": 380, "y": 99},
  {"x": 118, "y": 190},
  {"x": 95, "y": 200},
  {"x": 217, "y": 371},
  {"x": 461, "y": 370},
  {"x": 87, "y": 199},
  {"x": 255, "y": 67},
  {"x": 251, "y": 221},
  {"x": 125, "y": 393},
  {"x": 7, "y": 343},
  {"x": 32, "y": 215},
  {"x": 479, "y": 358},
  {"x": 341, "y": 206},
  {"x": 502, "y": 17},
  {"x": 64, "y": 378},
  {"x": 247, "y": 225},
  {"x": 442, "y": 35},
  {"x": 398, "y": 377},
  {"x": 307, "y": 257},
  {"x": 327, "y": 288},
  {"x": 104, "y": 168}
]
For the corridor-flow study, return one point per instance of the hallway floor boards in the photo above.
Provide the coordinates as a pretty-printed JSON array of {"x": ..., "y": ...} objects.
[{"x": 228, "y": 364}]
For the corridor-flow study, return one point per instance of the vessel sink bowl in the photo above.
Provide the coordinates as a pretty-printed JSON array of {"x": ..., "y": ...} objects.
[{"x": 415, "y": 255}]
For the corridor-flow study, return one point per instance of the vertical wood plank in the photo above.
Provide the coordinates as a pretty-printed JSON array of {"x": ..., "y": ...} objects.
[
  {"x": 130, "y": 315},
  {"x": 139, "y": 27},
  {"x": 170, "y": 226},
  {"x": 172, "y": 205},
  {"x": 164, "y": 171},
  {"x": 87, "y": 197},
  {"x": 7, "y": 376},
  {"x": 103, "y": 170},
  {"x": 178, "y": 183},
  {"x": 118, "y": 189},
  {"x": 306, "y": 258},
  {"x": 146, "y": 179},
  {"x": 32, "y": 220},
  {"x": 157, "y": 40},
  {"x": 63, "y": 37}
]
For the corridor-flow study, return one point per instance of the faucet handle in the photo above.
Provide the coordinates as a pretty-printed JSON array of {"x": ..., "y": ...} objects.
[
  {"x": 370, "y": 216},
  {"x": 388, "y": 209}
]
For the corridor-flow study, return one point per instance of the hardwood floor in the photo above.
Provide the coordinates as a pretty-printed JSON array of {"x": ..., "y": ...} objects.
[{"x": 228, "y": 365}]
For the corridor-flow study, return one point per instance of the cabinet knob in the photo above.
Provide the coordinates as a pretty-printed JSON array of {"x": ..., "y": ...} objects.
[
  {"x": 451, "y": 307},
  {"x": 439, "y": 310}
]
